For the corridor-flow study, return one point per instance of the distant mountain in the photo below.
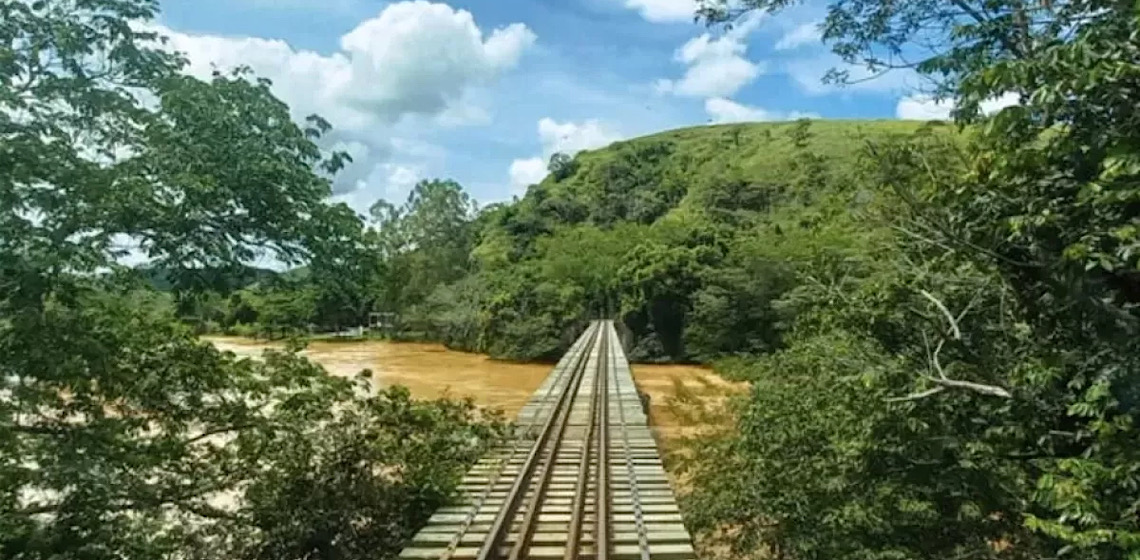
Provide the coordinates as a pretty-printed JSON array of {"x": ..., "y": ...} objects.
[{"x": 223, "y": 280}]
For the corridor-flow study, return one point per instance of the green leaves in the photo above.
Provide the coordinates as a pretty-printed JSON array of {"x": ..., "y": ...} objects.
[
  {"x": 1051, "y": 207},
  {"x": 996, "y": 233},
  {"x": 121, "y": 435},
  {"x": 561, "y": 166},
  {"x": 361, "y": 485},
  {"x": 426, "y": 242}
]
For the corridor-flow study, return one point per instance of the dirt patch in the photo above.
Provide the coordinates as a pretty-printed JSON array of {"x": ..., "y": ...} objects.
[
  {"x": 428, "y": 370},
  {"x": 687, "y": 404},
  {"x": 672, "y": 388}
]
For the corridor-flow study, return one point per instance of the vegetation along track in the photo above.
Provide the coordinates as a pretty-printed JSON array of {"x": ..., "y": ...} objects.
[{"x": 544, "y": 495}]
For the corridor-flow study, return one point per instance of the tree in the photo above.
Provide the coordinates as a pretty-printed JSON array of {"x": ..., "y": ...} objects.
[
  {"x": 659, "y": 277},
  {"x": 561, "y": 166},
  {"x": 426, "y": 241},
  {"x": 323, "y": 498},
  {"x": 286, "y": 308},
  {"x": 733, "y": 311},
  {"x": 800, "y": 132},
  {"x": 1041, "y": 224},
  {"x": 121, "y": 435},
  {"x": 346, "y": 270},
  {"x": 589, "y": 258},
  {"x": 944, "y": 40}
]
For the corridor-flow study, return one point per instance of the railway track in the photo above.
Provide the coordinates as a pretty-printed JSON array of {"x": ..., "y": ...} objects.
[{"x": 543, "y": 495}]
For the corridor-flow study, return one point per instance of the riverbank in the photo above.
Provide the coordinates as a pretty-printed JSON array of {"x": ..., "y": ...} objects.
[{"x": 430, "y": 371}]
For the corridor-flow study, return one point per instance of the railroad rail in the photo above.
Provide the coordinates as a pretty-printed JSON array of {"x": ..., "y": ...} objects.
[{"x": 543, "y": 495}]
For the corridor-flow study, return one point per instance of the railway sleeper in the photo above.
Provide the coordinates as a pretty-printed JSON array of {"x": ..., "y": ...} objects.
[{"x": 617, "y": 552}]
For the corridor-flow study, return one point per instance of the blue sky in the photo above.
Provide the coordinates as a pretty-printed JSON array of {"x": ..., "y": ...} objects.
[{"x": 483, "y": 91}]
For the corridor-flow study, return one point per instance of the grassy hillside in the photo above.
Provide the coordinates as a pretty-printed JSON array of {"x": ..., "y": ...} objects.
[
  {"x": 671, "y": 169},
  {"x": 760, "y": 150},
  {"x": 654, "y": 230}
]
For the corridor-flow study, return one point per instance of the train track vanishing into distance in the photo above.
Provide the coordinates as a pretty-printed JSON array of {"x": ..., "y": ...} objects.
[{"x": 582, "y": 479}]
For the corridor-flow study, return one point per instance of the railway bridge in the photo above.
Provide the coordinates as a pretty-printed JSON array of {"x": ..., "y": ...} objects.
[{"x": 543, "y": 495}]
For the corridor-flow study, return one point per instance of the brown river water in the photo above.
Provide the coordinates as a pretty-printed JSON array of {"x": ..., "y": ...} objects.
[{"x": 431, "y": 370}]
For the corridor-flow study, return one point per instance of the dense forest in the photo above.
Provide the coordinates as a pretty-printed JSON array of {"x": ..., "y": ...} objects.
[
  {"x": 666, "y": 232},
  {"x": 938, "y": 321}
]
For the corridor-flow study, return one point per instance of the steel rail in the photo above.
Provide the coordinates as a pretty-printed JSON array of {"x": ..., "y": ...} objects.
[
  {"x": 602, "y": 501},
  {"x": 516, "y": 450},
  {"x": 530, "y": 505},
  {"x": 557, "y": 420},
  {"x": 581, "y": 489},
  {"x": 631, "y": 474}
]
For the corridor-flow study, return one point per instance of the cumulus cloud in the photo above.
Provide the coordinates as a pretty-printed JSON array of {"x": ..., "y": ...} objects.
[
  {"x": 804, "y": 34},
  {"x": 355, "y": 174},
  {"x": 526, "y": 172},
  {"x": 571, "y": 138},
  {"x": 996, "y": 104},
  {"x": 400, "y": 180},
  {"x": 414, "y": 58},
  {"x": 419, "y": 58},
  {"x": 564, "y": 137},
  {"x": 808, "y": 72},
  {"x": 664, "y": 11},
  {"x": 716, "y": 66},
  {"x": 415, "y": 62},
  {"x": 390, "y": 181},
  {"x": 925, "y": 108},
  {"x": 723, "y": 110}
]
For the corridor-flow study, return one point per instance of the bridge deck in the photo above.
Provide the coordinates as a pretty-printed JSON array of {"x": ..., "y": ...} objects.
[{"x": 587, "y": 412}]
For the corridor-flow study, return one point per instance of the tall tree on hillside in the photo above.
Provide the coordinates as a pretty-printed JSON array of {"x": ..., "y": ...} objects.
[
  {"x": 346, "y": 270},
  {"x": 561, "y": 166}
]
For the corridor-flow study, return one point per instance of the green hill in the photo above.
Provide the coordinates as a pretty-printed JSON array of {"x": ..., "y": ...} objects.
[
  {"x": 222, "y": 280},
  {"x": 761, "y": 150},
  {"x": 661, "y": 231}
]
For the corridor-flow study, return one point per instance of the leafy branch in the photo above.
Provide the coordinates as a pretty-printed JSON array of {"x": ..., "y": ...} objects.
[{"x": 939, "y": 377}]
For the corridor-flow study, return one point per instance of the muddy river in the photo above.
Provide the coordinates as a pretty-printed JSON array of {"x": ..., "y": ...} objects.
[{"x": 430, "y": 370}]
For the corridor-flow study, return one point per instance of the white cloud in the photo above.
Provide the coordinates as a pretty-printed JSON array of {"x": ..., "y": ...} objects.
[
  {"x": 565, "y": 137},
  {"x": 390, "y": 181},
  {"x": 467, "y": 111},
  {"x": 996, "y": 104},
  {"x": 414, "y": 58},
  {"x": 924, "y": 107},
  {"x": 664, "y": 11},
  {"x": 420, "y": 58},
  {"x": 717, "y": 66},
  {"x": 571, "y": 138},
  {"x": 400, "y": 180},
  {"x": 355, "y": 173},
  {"x": 808, "y": 73},
  {"x": 723, "y": 110},
  {"x": 418, "y": 63},
  {"x": 804, "y": 34},
  {"x": 526, "y": 172}
]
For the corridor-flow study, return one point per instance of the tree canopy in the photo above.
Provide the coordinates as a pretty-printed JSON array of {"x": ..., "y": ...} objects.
[
  {"x": 122, "y": 435},
  {"x": 938, "y": 321},
  {"x": 971, "y": 389}
]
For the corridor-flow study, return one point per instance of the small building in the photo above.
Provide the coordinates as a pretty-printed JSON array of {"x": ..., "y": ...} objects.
[{"x": 382, "y": 321}]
